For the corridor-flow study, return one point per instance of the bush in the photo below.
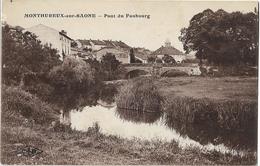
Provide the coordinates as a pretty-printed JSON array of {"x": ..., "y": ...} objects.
[
  {"x": 139, "y": 95},
  {"x": 229, "y": 115},
  {"x": 73, "y": 74},
  {"x": 16, "y": 101}
]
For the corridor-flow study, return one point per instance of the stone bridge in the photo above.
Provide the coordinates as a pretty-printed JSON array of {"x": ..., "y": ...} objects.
[{"x": 135, "y": 70}]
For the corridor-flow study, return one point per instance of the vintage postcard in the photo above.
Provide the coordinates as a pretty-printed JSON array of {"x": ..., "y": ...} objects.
[{"x": 129, "y": 82}]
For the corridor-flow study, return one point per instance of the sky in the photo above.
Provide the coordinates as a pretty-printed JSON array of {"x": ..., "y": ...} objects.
[{"x": 166, "y": 18}]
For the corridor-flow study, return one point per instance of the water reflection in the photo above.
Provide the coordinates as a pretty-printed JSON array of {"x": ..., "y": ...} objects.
[
  {"x": 114, "y": 122},
  {"x": 205, "y": 134},
  {"x": 82, "y": 110},
  {"x": 138, "y": 116}
]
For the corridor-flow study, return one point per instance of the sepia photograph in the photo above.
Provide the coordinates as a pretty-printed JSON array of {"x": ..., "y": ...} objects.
[{"x": 120, "y": 82}]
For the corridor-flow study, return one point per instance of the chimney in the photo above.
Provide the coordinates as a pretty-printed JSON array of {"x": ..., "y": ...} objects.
[{"x": 64, "y": 32}]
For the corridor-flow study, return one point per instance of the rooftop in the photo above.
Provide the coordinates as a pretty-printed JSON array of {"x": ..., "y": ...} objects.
[{"x": 167, "y": 49}]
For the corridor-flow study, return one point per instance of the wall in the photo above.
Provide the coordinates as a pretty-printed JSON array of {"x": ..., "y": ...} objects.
[
  {"x": 122, "y": 56},
  {"x": 52, "y": 37}
]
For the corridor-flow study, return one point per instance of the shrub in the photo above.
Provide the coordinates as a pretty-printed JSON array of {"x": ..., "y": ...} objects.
[
  {"x": 16, "y": 101},
  {"x": 107, "y": 93},
  {"x": 230, "y": 115},
  {"x": 139, "y": 95},
  {"x": 73, "y": 74}
]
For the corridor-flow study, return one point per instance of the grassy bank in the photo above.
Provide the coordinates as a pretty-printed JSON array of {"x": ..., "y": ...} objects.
[
  {"x": 193, "y": 107},
  {"x": 33, "y": 126},
  {"x": 225, "y": 114},
  {"x": 93, "y": 147}
]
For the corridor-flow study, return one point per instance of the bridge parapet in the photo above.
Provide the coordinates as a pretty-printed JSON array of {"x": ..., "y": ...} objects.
[{"x": 159, "y": 70}]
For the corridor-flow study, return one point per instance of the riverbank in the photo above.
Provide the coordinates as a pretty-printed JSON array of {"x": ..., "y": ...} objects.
[
  {"x": 93, "y": 147},
  {"x": 61, "y": 146}
]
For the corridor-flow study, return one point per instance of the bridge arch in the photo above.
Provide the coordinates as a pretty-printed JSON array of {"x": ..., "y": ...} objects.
[
  {"x": 135, "y": 73},
  {"x": 173, "y": 73}
]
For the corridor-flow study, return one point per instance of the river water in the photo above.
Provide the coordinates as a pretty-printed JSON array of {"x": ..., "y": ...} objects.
[{"x": 156, "y": 126}]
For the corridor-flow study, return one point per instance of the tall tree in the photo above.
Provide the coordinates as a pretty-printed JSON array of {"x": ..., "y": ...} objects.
[
  {"x": 22, "y": 53},
  {"x": 221, "y": 37},
  {"x": 132, "y": 56},
  {"x": 110, "y": 65}
]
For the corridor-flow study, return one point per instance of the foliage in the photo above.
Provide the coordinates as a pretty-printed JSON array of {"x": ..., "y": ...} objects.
[
  {"x": 151, "y": 59},
  {"x": 222, "y": 38},
  {"x": 132, "y": 56},
  {"x": 158, "y": 60},
  {"x": 108, "y": 69},
  {"x": 96, "y": 66},
  {"x": 168, "y": 59},
  {"x": 73, "y": 74},
  {"x": 228, "y": 115},
  {"x": 17, "y": 102},
  {"x": 139, "y": 95},
  {"x": 107, "y": 93},
  {"x": 22, "y": 53},
  {"x": 110, "y": 66}
]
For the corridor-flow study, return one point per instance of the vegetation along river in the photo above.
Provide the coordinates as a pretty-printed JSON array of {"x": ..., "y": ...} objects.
[{"x": 153, "y": 126}]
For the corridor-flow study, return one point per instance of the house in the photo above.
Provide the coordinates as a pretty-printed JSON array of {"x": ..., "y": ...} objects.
[
  {"x": 120, "y": 54},
  {"x": 99, "y": 48},
  {"x": 95, "y": 45},
  {"x": 81, "y": 53},
  {"x": 91, "y": 45},
  {"x": 141, "y": 54},
  {"x": 168, "y": 49},
  {"x": 54, "y": 38}
]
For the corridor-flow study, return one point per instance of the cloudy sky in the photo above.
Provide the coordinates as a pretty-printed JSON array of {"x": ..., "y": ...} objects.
[{"x": 166, "y": 18}]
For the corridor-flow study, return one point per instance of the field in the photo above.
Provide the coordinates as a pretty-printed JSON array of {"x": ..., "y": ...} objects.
[{"x": 219, "y": 88}]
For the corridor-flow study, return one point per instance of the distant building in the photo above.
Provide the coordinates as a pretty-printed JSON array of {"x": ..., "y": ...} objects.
[
  {"x": 142, "y": 54},
  {"x": 81, "y": 53},
  {"x": 120, "y": 54},
  {"x": 54, "y": 38},
  {"x": 169, "y": 50},
  {"x": 99, "y": 48},
  {"x": 95, "y": 45}
]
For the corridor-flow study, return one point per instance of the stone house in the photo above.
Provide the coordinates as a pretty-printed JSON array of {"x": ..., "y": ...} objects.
[
  {"x": 168, "y": 49},
  {"x": 54, "y": 38},
  {"x": 120, "y": 54}
]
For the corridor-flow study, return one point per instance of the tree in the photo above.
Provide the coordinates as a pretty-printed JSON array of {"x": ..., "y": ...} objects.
[
  {"x": 73, "y": 74},
  {"x": 23, "y": 54},
  {"x": 110, "y": 65},
  {"x": 168, "y": 59},
  {"x": 158, "y": 60},
  {"x": 222, "y": 38},
  {"x": 132, "y": 56},
  {"x": 151, "y": 59}
]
